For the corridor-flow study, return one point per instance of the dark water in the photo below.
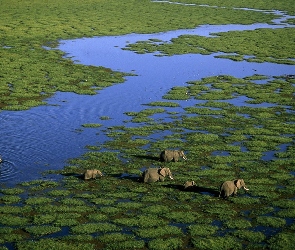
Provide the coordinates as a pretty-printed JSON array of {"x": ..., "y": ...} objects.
[{"x": 45, "y": 137}]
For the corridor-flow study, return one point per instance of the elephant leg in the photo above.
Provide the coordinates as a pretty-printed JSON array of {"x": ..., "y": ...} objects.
[{"x": 146, "y": 177}]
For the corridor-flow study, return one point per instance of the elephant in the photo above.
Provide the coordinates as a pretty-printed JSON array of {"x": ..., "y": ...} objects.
[
  {"x": 189, "y": 184},
  {"x": 169, "y": 155},
  {"x": 156, "y": 174},
  {"x": 229, "y": 188},
  {"x": 91, "y": 174}
]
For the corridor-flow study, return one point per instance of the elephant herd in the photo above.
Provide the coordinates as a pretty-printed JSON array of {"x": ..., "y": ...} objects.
[{"x": 228, "y": 188}]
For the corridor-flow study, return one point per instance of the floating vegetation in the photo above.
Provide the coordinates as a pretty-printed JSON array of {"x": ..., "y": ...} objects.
[
  {"x": 42, "y": 230},
  {"x": 222, "y": 141},
  {"x": 261, "y": 44},
  {"x": 165, "y": 244},
  {"x": 164, "y": 104},
  {"x": 91, "y": 125}
]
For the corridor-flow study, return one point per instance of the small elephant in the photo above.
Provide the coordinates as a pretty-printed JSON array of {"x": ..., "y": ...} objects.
[
  {"x": 156, "y": 174},
  {"x": 189, "y": 184},
  {"x": 172, "y": 155},
  {"x": 91, "y": 174},
  {"x": 231, "y": 187}
]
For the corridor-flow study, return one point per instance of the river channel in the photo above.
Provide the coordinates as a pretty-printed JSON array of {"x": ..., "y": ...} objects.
[{"x": 43, "y": 138}]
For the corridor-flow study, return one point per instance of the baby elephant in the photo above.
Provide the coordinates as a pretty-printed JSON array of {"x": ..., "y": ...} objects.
[
  {"x": 189, "y": 185},
  {"x": 91, "y": 174},
  {"x": 172, "y": 155},
  {"x": 231, "y": 187},
  {"x": 156, "y": 174}
]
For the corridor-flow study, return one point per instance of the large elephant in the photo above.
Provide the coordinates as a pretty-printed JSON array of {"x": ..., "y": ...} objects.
[
  {"x": 172, "y": 155},
  {"x": 91, "y": 174},
  {"x": 156, "y": 174},
  {"x": 229, "y": 188}
]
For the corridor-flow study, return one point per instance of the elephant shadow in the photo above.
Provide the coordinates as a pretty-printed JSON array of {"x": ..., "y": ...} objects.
[
  {"x": 78, "y": 176},
  {"x": 148, "y": 157},
  {"x": 195, "y": 189},
  {"x": 205, "y": 191},
  {"x": 126, "y": 176}
]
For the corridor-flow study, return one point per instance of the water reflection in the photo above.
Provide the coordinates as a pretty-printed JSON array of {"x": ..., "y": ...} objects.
[{"x": 45, "y": 137}]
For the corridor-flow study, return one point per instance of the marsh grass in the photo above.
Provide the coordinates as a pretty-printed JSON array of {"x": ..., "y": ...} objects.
[
  {"x": 249, "y": 235},
  {"x": 261, "y": 44},
  {"x": 128, "y": 244},
  {"x": 91, "y": 125},
  {"x": 32, "y": 73},
  {"x": 12, "y": 191},
  {"x": 164, "y": 104},
  {"x": 8, "y": 199},
  {"x": 158, "y": 232},
  {"x": 218, "y": 242},
  {"x": 53, "y": 244},
  {"x": 270, "y": 221},
  {"x": 42, "y": 230},
  {"x": 165, "y": 244},
  {"x": 90, "y": 228},
  {"x": 222, "y": 141}
]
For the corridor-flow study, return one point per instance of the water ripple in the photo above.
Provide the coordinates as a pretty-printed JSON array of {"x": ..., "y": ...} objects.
[{"x": 8, "y": 170}]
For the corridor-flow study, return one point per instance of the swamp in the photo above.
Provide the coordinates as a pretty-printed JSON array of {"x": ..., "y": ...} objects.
[{"x": 108, "y": 85}]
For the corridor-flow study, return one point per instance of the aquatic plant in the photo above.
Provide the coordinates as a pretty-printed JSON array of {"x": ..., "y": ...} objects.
[
  {"x": 158, "y": 232},
  {"x": 12, "y": 191},
  {"x": 13, "y": 220},
  {"x": 164, "y": 104},
  {"x": 128, "y": 244},
  {"x": 271, "y": 221},
  {"x": 165, "y": 244},
  {"x": 53, "y": 244},
  {"x": 44, "y": 219},
  {"x": 218, "y": 242},
  {"x": 202, "y": 230},
  {"x": 42, "y": 230},
  {"x": 282, "y": 240},
  {"x": 94, "y": 227},
  {"x": 222, "y": 141},
  {"x": 8, "y": 199},
  {"x": 249, "y": 235},
  {"x": 38, "y": 200},
  {"x": 252, "y": 42},
  {"x": 91, "y": 125}
]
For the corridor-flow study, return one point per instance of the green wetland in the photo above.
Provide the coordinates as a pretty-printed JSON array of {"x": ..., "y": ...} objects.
[{"x": 226, "y": 99}]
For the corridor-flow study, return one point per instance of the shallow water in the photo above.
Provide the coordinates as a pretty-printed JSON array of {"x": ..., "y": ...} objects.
[{"x": 45, "y": 137}]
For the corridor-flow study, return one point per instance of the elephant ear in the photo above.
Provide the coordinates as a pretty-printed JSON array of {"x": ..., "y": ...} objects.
[
  {"x": 238, "y": 183},
  {"x": 162, "y": 172}
]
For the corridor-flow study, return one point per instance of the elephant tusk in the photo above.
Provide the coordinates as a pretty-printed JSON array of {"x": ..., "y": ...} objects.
[
  {"x": 246, "y": 188},
  {"x": 171, "y": 177}
]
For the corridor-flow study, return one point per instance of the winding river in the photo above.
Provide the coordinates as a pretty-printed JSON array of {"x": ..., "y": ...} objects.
[{"x": 44, "y": 137}]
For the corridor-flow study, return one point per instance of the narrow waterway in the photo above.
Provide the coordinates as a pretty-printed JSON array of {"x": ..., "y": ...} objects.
[{"x": 45, "y": 137}]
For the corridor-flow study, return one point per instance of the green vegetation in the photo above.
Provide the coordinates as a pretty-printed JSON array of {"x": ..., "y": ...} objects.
[
  {"x": 262, "y": 45},
  {"x": 222, "y": 141},
  {"x": 91, "y": 125},
  {"x": 30, "y": 73}
]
